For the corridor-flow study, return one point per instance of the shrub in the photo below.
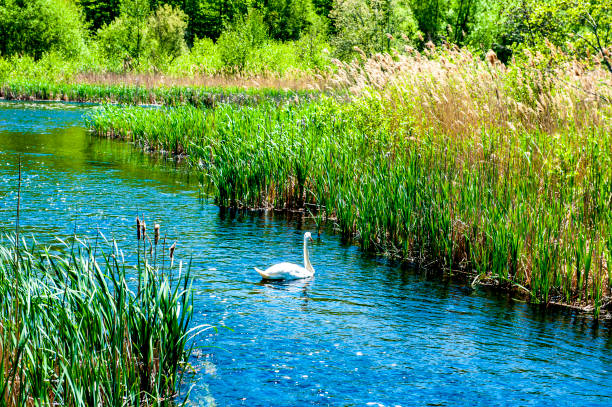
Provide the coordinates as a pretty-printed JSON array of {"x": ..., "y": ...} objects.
[
  {"x": 371, "y": 25},
  {"x": 123, "y": 40},
  {"x": 311, "y": 45},
  {"x": 238, "y": 42},
  {"x": 166, "y": 32},
  {"x": 38, "y": 26}
]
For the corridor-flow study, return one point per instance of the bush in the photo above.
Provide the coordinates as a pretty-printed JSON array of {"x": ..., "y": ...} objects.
[
  {"x": 203, "y": 58},
  {"x": 5, "y": 69},
  {"x": 371, "y": 25},
  {"x": 311, "y": 45},
  {"x": 238, "y": 42},
  {"x": 166, "y": 33},
  {"x": 38, "y": 26},
  {"x": 113, "y": 43},
  {"x": 123, "y": 40}
]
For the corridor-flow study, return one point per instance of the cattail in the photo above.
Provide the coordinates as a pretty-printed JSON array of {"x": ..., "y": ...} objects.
[
  {"x": 137, "y": 228},
  {"x": 492, "y": 57},
  {"x": 172, "y": 250},
  {"x": 156, "y": 227},
  {"x": 143, "y": 227}
]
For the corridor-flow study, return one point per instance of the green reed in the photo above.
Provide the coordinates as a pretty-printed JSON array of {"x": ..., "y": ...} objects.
[
  {"x": 524, "y": 209},
  {"x": 136, "y": 95},
  {"x": 76, "y": 330}
]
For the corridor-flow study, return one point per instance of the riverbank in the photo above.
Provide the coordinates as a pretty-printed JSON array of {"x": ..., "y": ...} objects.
[
  {"x": 462, "y": 163},
  {"x": 154, "y": 92},
  {"x": 77, "y": 329}
]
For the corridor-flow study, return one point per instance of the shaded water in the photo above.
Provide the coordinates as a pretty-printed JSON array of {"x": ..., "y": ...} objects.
[{"x": 362, "y": 332}]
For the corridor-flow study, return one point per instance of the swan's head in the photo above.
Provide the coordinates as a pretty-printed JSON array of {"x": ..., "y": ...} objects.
[{"x": 307, "y": 236}]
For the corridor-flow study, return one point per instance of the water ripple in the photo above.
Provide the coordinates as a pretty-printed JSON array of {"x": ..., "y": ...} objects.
[{"x": 363, "y": 331}]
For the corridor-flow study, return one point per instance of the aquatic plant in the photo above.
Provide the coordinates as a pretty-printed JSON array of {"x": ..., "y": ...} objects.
[
  {"x": 137, "y": 93},
  {"x": 454, "y": 171},
  {"x": 75, "y": 329}
]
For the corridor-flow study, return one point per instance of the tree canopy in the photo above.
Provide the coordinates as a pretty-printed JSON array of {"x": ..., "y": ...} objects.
[{"x": 163, "y": 28}]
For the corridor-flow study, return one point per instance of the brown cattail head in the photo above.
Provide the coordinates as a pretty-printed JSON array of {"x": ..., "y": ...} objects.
[
  {"x": 137, "y": 228},
  {"x": 156, "y": 227},
  {"x": 492, "y": 57},
  {"x": 172, "y": 250},
  {"x": 143, "y": 229}
]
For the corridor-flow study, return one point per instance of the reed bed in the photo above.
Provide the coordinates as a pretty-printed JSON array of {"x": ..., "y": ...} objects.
[
  {"x": 298, "y": 81},
  {"x": 521, "y": 200},
  {"x": 144, "y": 93},
  {"x": 450, "y": 91},
  {"x": 75, "y": 330}
]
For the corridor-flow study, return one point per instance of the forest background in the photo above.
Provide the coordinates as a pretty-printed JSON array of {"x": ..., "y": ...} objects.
[{"x": 57, "y": 39}]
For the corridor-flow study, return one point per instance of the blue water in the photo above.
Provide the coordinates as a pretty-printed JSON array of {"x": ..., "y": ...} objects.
[{"x": 363, "y": 331}]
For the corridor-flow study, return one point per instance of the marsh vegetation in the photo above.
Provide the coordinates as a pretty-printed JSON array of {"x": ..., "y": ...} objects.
[
  {"x": 497, "y": 170},
  {"x": 468, "y": 136},
  {"x": 78, "y": 328}
]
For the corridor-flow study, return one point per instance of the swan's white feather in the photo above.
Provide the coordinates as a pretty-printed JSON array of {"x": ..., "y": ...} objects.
[
  {"x": 284, "y": 271},
  {"x": 290, "y": 271}
]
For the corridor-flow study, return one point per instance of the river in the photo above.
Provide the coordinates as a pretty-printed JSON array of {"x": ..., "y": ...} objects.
[{"x": 363, "y": 331}]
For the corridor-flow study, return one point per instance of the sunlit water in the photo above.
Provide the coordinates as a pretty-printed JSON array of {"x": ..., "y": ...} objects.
[{"x": 362, "y": 332}]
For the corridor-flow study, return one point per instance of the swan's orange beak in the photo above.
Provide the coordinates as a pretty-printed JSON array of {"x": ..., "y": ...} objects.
[{"x": 311, "y": 239}]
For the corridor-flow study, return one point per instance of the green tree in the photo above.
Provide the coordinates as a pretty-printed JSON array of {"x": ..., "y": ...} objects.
[
  {"x": 166, "y": 31},
  {"x": 135, "y": 13},
  {"x": 288, "y": 19},
  {"x": 588, "y": 23},
  {"x": 584, "y": 24},
  {"x": 370, "y": 25},
  {"x": 240, "y": 39},
  {"x": 431, "y": 17},
  {"x": 488, "y": 19},
  {"x": 34, "y": 27},
  {"x": 323, "y": 7},
  {"x": 207, "y": 18},
  {"x": 100, "y": 12},
  {"x": 124, "y": 37}
]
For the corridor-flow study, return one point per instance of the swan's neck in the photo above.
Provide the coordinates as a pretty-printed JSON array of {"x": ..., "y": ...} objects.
[{"x": 307, "y": 264}]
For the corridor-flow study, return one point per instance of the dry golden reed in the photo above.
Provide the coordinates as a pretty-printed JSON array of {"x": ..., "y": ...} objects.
[
  {"x": 296, "y": 80},
  {"x": 451, "y": 91}
]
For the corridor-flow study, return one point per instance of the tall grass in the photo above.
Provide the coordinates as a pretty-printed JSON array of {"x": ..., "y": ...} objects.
[
  {"x": 76, "y": 330},
  {"x": 451, "y": 91},
  {"x": 451, "y": 170},
  {"x": 276, "y": 71},
  {"x": 144, "y": 94}
]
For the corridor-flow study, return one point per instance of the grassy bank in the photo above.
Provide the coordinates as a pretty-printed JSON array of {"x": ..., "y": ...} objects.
[
  {"x": 76, "y": 330},
  {"x": 145, "y": 93},
  {"x": 503, "y": 172},
  {"x": 54, "y": 78}
]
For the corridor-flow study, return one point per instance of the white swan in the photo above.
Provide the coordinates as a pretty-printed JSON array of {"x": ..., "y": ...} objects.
[{"x": 290, "y": 271}]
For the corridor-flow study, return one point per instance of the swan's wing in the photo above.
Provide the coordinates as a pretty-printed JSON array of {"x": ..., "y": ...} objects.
[
  {"x": 261, "y": 272},
  {"x": 284, "y": 271}
]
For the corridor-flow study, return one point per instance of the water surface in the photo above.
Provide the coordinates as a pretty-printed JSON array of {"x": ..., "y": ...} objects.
[{"x": 364, "y": 331}]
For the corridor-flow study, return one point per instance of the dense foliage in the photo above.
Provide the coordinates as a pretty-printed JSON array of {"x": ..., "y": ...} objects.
[
  {"x": 34, "y": 27},
  {"x": 77, "y": 330},
  {"x": 229, "y": 35}
]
